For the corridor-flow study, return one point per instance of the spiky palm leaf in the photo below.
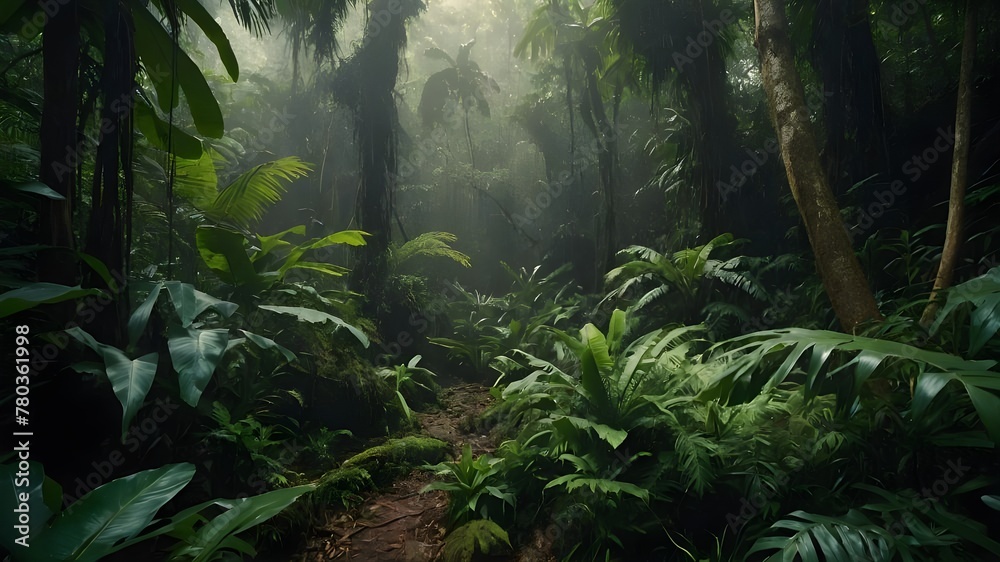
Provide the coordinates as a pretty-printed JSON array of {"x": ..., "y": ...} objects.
[
  {"x": 245, "y": 200},
  {"x": 431, "y": 245}
]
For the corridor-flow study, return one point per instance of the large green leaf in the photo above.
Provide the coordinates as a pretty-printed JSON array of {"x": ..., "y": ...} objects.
[
  {"x": 190, "y": 302},
  {"x": 140, "y": 316},
  {"x": 131, "y": 380},
  {"x": 241, "y": 515},
  {"x": 267, "y": 343},
  {"x": 114, "y": 512},
  {"x": 195, "y": 355},
  {"x": 983, "y": 294},
  {"x": 224, "y": 252},
  {"x": 35, "y": 294},
  {"x": 158, "y": 53},
  {"x": 979, "y": 385},
  {"x": 194, "y": 10},
  {"x": 748, "y": 362},
  {"x": 314, "y": 316},
  {"x": 164, "y": 135},
  {"x": 270, "y": 243}
]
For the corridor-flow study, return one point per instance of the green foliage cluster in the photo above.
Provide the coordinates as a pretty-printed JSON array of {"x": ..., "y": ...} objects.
[{"x": 784, "y": 444}]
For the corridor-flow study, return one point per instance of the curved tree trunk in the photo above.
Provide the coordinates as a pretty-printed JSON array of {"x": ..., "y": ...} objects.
[
  {"x": 843, "y": 280},
  {"x": 959, "y": 169}
]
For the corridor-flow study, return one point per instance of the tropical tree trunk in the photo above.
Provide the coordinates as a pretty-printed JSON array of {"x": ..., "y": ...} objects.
[
  {"x": 596, "y": 118},
  {"x": 959, "y": 170},
  {"x": 366, "y": 84},
  {"x": 59, "y": 153},
  {"x": 843, "y": 280},
  {"x": 112, "y": 188}
]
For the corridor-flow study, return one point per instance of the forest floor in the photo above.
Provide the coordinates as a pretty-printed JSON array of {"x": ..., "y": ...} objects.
[{"x": 399, "y": 523}]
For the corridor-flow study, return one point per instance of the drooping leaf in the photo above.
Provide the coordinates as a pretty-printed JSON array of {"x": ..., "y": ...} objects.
[
  {"x": 224, "y": 252},
  {"x": 116, "y": 511},
  {"x": 314, "y": 316},
  {"x": 267, "y": 343},
  {"x": 195, "y": 355},
  {"x": 156, "y": 50},
  {"x": 241, "y": 515},
  {"x": 164, "y": 135},
  {"x": 35, "y": 294},
  {"x": 140, "y": 316},
  {"x": 194, "y": 10},
  {"x": 130, "y": 379},
  {"x": 190, "y": 302}
]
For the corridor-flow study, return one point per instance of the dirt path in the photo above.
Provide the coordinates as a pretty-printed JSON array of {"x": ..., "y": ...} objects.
[{"x": 400, "y": 523}]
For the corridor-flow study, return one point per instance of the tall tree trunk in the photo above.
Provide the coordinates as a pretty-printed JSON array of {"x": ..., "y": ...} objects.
[
  {"x": 844, "y": 56},
  {"x": 959, "y": 169},
  {"x": 59, "y": 152},
  {"x": 111, "y": 192},
  {"x": 843, "y": 280},
  {"x": 596, "y": 118},
  {"x": 366, "y": 84}
]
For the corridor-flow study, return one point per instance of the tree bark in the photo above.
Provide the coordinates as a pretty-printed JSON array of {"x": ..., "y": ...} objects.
[
  {"x": 844, "y": 282},
  {"x": 959, "y": 170},
  {"x": 59, "y": 154}
]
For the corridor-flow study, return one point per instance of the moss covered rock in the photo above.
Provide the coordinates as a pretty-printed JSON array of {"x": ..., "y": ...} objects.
[
  {"x": 397, "y": 457},
  {"x": 343, "y": 486}
]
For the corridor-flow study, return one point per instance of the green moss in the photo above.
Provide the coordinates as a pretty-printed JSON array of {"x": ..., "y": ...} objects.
[
  {"x": 343, "y": 486},
  {"x": 398, "y": 456}
]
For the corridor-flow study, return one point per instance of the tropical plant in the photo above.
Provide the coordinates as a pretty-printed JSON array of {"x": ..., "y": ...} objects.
[
  {"x": 406, "y": 379},
  {"x": 890, "y": 528},
  {"x": 429, "y": 245},
  {"x": 120, "y": 514},
  {"x": 195, "y": 352},
  {"x": 843, "y": 365},
  {"x": 480, "y": 536},
  {"x": 680, "y": 275},
  {"x": 474, "y": 485},
  {"x": 462, "y": 81},
  {"x": 244, "y": 200}
]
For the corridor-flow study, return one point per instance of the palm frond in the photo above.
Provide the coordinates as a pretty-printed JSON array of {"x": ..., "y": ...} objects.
[
  {"x": 245, "y": 200},
  {"x": 431, "y": 245}
]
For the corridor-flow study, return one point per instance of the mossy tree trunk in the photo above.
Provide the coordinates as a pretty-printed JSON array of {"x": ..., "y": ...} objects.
[{"x": 844, "y": 282}]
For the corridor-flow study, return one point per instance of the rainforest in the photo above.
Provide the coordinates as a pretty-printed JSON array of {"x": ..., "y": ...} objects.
[{"x": 511, "y": 280}]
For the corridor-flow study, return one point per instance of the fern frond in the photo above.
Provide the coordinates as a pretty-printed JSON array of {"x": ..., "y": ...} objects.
[
  {"x": 245, "y": 200},
  {"x": 431, "y": 245}
]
